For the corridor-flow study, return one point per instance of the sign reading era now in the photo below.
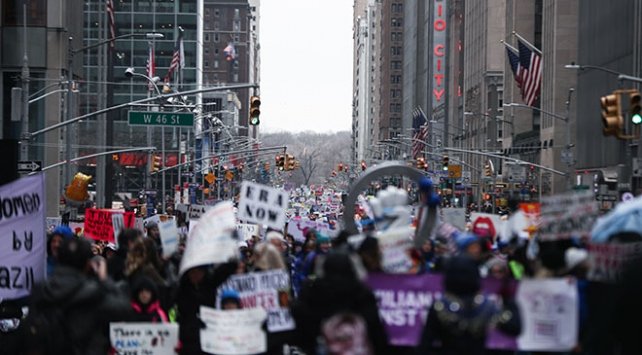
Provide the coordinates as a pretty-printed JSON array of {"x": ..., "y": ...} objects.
[
  {"x": 263, "y": 205},
  {"x": 99, "y": 223}
]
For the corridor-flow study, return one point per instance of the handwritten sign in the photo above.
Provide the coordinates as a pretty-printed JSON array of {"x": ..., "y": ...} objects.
[
  {"x": 22, "y": 236},
  {"x": 297, "y": 225},
  {"x": 144, "y": 338},
  {"x": 213, "y": 239},
  {"x": 197, "y": 211},
  {"x": 246, "y": 230},
  {"x": 99, "y": 223},
  {"x": 263, "y": 205},
  {"x": 395, "y": 245},
  {"x": 568, "y": 215},
  {"x": 268, "y": 290},
  {"x": 549, "y": 314},
  {"x": 233, "y": 332}
]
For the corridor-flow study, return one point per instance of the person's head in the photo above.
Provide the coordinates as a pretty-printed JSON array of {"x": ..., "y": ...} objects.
[
  {"x": 75, "y": 253},
  {"x": 58, "y": 235},
  {"x": 268, "y": 257},
  {"x": 128, "y": 237},
  {"x": 153, "y": 231},
  {"x": 470, "y": 245},
  {"x": 230, "y": 299},
  {"x": 497, "y": 268},
  {"x": 426, "y": 247},
  {"x": 109, "y": 250},
  {"x": 275, "y": 238},
  {"x": 461, "y": 276},
  {"x": 196, "y": 275},
  {"x": 144, "y": 291},
  {"x": 323, "y": 243},
  {"x": 339, "y": 265},
  {"x": 440, "y": 246},
  {"x": 370, "y": 254}
]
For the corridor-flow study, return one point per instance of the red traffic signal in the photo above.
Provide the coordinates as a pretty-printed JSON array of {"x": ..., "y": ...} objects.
[{"x": 255, "y": 112}]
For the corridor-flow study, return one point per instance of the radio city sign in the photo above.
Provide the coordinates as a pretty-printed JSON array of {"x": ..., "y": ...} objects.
[{"x": 439, "y": 52}]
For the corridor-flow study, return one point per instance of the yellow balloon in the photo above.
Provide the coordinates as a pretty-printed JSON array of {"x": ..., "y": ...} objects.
[{"x": 77, "y": 189}]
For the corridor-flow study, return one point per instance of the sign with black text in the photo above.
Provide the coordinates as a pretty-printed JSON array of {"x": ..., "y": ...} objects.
[
  {"x": 263, "y": 205},
  {"x": 22, "y": 236}
]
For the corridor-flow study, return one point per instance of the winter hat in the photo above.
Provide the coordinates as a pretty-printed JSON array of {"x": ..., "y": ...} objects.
[
  {"x": 230, "y": 295},
  {"x": 322, "y": 238},
  {"x": 64, "y": 231},
  {"x": 574, "y": 256},
  {"x": 274, "y": 235},
  {"x": 75, "y": 253},
  {"x": 464, "y": 240},
  {"x": 462, "y": 276}
]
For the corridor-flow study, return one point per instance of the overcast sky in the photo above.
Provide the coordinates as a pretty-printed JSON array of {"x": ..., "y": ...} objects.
[{"x": 306, "y": 65}]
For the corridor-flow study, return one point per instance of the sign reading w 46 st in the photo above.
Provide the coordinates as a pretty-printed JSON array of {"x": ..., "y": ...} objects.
[{"x": 171, "y": 119}]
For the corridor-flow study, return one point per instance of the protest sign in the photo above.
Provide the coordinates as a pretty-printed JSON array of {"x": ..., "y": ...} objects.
[
  {"x": 297, "y": 225},
  {"x": 168, "y": 236},
  {"x": 213, "y": 239},
  {"x": 486, "y": 224},
  {"x": 246, "y": 230},
  {"x": 548, "y": 308},
  {"x": 53, "y": 222},
  {"x": 607, "y": 260},
  {"x": 233, "y": 332},
  {"x": 395, "y": 245},
  {"x": 144, "y": 338},
  {"x": 118, "y": 223},
  {"x": 268, "y": 290},
  {"x": 263, "y": 205},
  {"x": 197, "y": 211},
  {"x": 404, "y": 301},
  {"x": 455, "y": 217},
  {"x": 99, "y": 223},
  {"x": 568, "y": 215},
  {"x": 22, "y": 236}
]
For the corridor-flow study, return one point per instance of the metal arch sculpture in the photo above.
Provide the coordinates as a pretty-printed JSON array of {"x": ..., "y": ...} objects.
[{"x": 430, "y": 201}]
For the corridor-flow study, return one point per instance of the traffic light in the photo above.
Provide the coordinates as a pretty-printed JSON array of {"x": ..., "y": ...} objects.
[
  {"x": 157, "y": 163},
  {"x": 363, "y": 165},
  {"x": 255, "y": 103},
  {"x": 635, "y": 109},
  {"x": 488, "y": 170},
  {"x": 445, "y": 162},
  {"x": 340, "y": 167},
  {"x": 291, "y": 162},
  {"x": 280, "y": 162},
  {"x": 421, "y": 163},
  {"x": 611, "y": 115}
]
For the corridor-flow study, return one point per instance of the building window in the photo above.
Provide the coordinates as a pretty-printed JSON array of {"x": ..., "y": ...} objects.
[
  {"x": 216, "y": 64},
  {"x": 216, "y": 38},
  {"x": 217, "y": 12},
  {"x": 206, "y": 64},
  {"x": 216, "y": 25},
  {"x": 207, "y": 37}
]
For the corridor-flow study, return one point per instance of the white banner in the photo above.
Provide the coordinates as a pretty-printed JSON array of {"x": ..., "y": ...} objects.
[
  {"x": 213, "y": 239},
  {"x": 22, "y": 236},
  {"x": 233, "y": 332},
  {"x": 263, "y": 205},
  {"x": 569, "y": 215},
  {"x": 549, "y": 314},
  {"x": 168, "y": 236},
  {"x": 269, "y": 290},
  {"x": 144, "y": 338}
]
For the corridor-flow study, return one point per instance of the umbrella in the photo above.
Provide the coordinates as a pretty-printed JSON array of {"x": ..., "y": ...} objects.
[{"x": 626, "y": 217}]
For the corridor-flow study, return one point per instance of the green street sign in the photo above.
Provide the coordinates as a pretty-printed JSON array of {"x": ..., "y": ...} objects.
[{"x": 171, "y": 119}]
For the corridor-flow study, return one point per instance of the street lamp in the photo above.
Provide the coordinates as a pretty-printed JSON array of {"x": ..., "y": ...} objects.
[
  {"x": 131, "y": 72},
  {"x": 584, "y": 67}
]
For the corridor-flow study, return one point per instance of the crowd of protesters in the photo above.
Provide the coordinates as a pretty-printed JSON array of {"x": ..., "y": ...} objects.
[{"x": 91, "y": 284}]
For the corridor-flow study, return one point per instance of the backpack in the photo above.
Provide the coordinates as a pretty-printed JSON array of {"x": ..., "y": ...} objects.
[
  {"x": 345, "y": 334},
  {"x": 47, "y": 332}
]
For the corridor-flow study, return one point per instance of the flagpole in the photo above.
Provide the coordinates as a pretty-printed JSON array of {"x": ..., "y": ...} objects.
[
  {"x": 527, "y": 42},
  {"x": 509, "y": 46}
]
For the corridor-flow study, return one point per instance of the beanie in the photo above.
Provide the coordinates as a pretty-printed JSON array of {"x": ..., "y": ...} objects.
[{"x": 63, "y": 231}]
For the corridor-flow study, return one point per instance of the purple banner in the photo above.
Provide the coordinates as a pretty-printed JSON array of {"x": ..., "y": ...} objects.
[{"x": 404, "y": 301}]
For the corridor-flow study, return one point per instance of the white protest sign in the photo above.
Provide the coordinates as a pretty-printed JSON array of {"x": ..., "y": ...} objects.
[
  {"x": 168, "y": 236},
  {"x": 297, "y": 225},
  {"x": 246, "y": 230},
  {"x": 454, "y": 216},
  {"x": 233, "y": 332},
  {"x": 263, "y": 205},
  {"x": 139, "y": 223},
  {"x": 144, "y": 338},
  {"x": 569, "y": 215},
  {"x": 153, "y": 219},
  {"x": 118, "y": 222},
  {"x": 268, "y": 290},
  {"x": 53, "y": 222},
  {"x": 213, "y": 239},
  {"x": 394, "y": 245},
  {"x": 549, "y": 314},
  {"x": 196, "y": 211},
  {"x": 607, "y": 260},
  {"x": 22, "y": 236}
]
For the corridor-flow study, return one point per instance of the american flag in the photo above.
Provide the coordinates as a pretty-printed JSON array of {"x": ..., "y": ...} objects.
[
  {"x": 179, "y": 57},
  {"x": 531, "y": 73},
  {"x": 513, "y": 59},
  {"x": 151, "y": 67},
  {"x": 112, "y": 23},
  {"x": 420, "y": 131}
]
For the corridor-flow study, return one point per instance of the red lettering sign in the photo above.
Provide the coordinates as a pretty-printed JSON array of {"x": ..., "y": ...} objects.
[{"x": 98, "y": 223}]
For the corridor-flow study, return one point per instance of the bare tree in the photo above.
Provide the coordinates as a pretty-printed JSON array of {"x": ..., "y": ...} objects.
[{"x": 309, "y": 163}]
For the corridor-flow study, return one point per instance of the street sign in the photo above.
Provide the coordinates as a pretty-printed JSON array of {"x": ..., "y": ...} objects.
[
  {"x": 466, "y": 176},
  {"x": 210, "y": 178},
  {"x": 170, "y": 119},
  {"x": 454, "y": 171},
  {"x": 516, "y": 173},
  {"x": 29, "y": 166}
]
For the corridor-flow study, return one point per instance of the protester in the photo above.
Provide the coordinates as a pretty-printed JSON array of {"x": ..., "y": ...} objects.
[
  {"x": 338, "y": 292},
  {"x": 268, "y": 257},
  {"x": 71, "y": 311},
  {"x": 230, "y": 299},
  {"x": 145, "y": 302},
  {"x": 126, "y": 240},
  {"x": 58, "y": 235}
]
